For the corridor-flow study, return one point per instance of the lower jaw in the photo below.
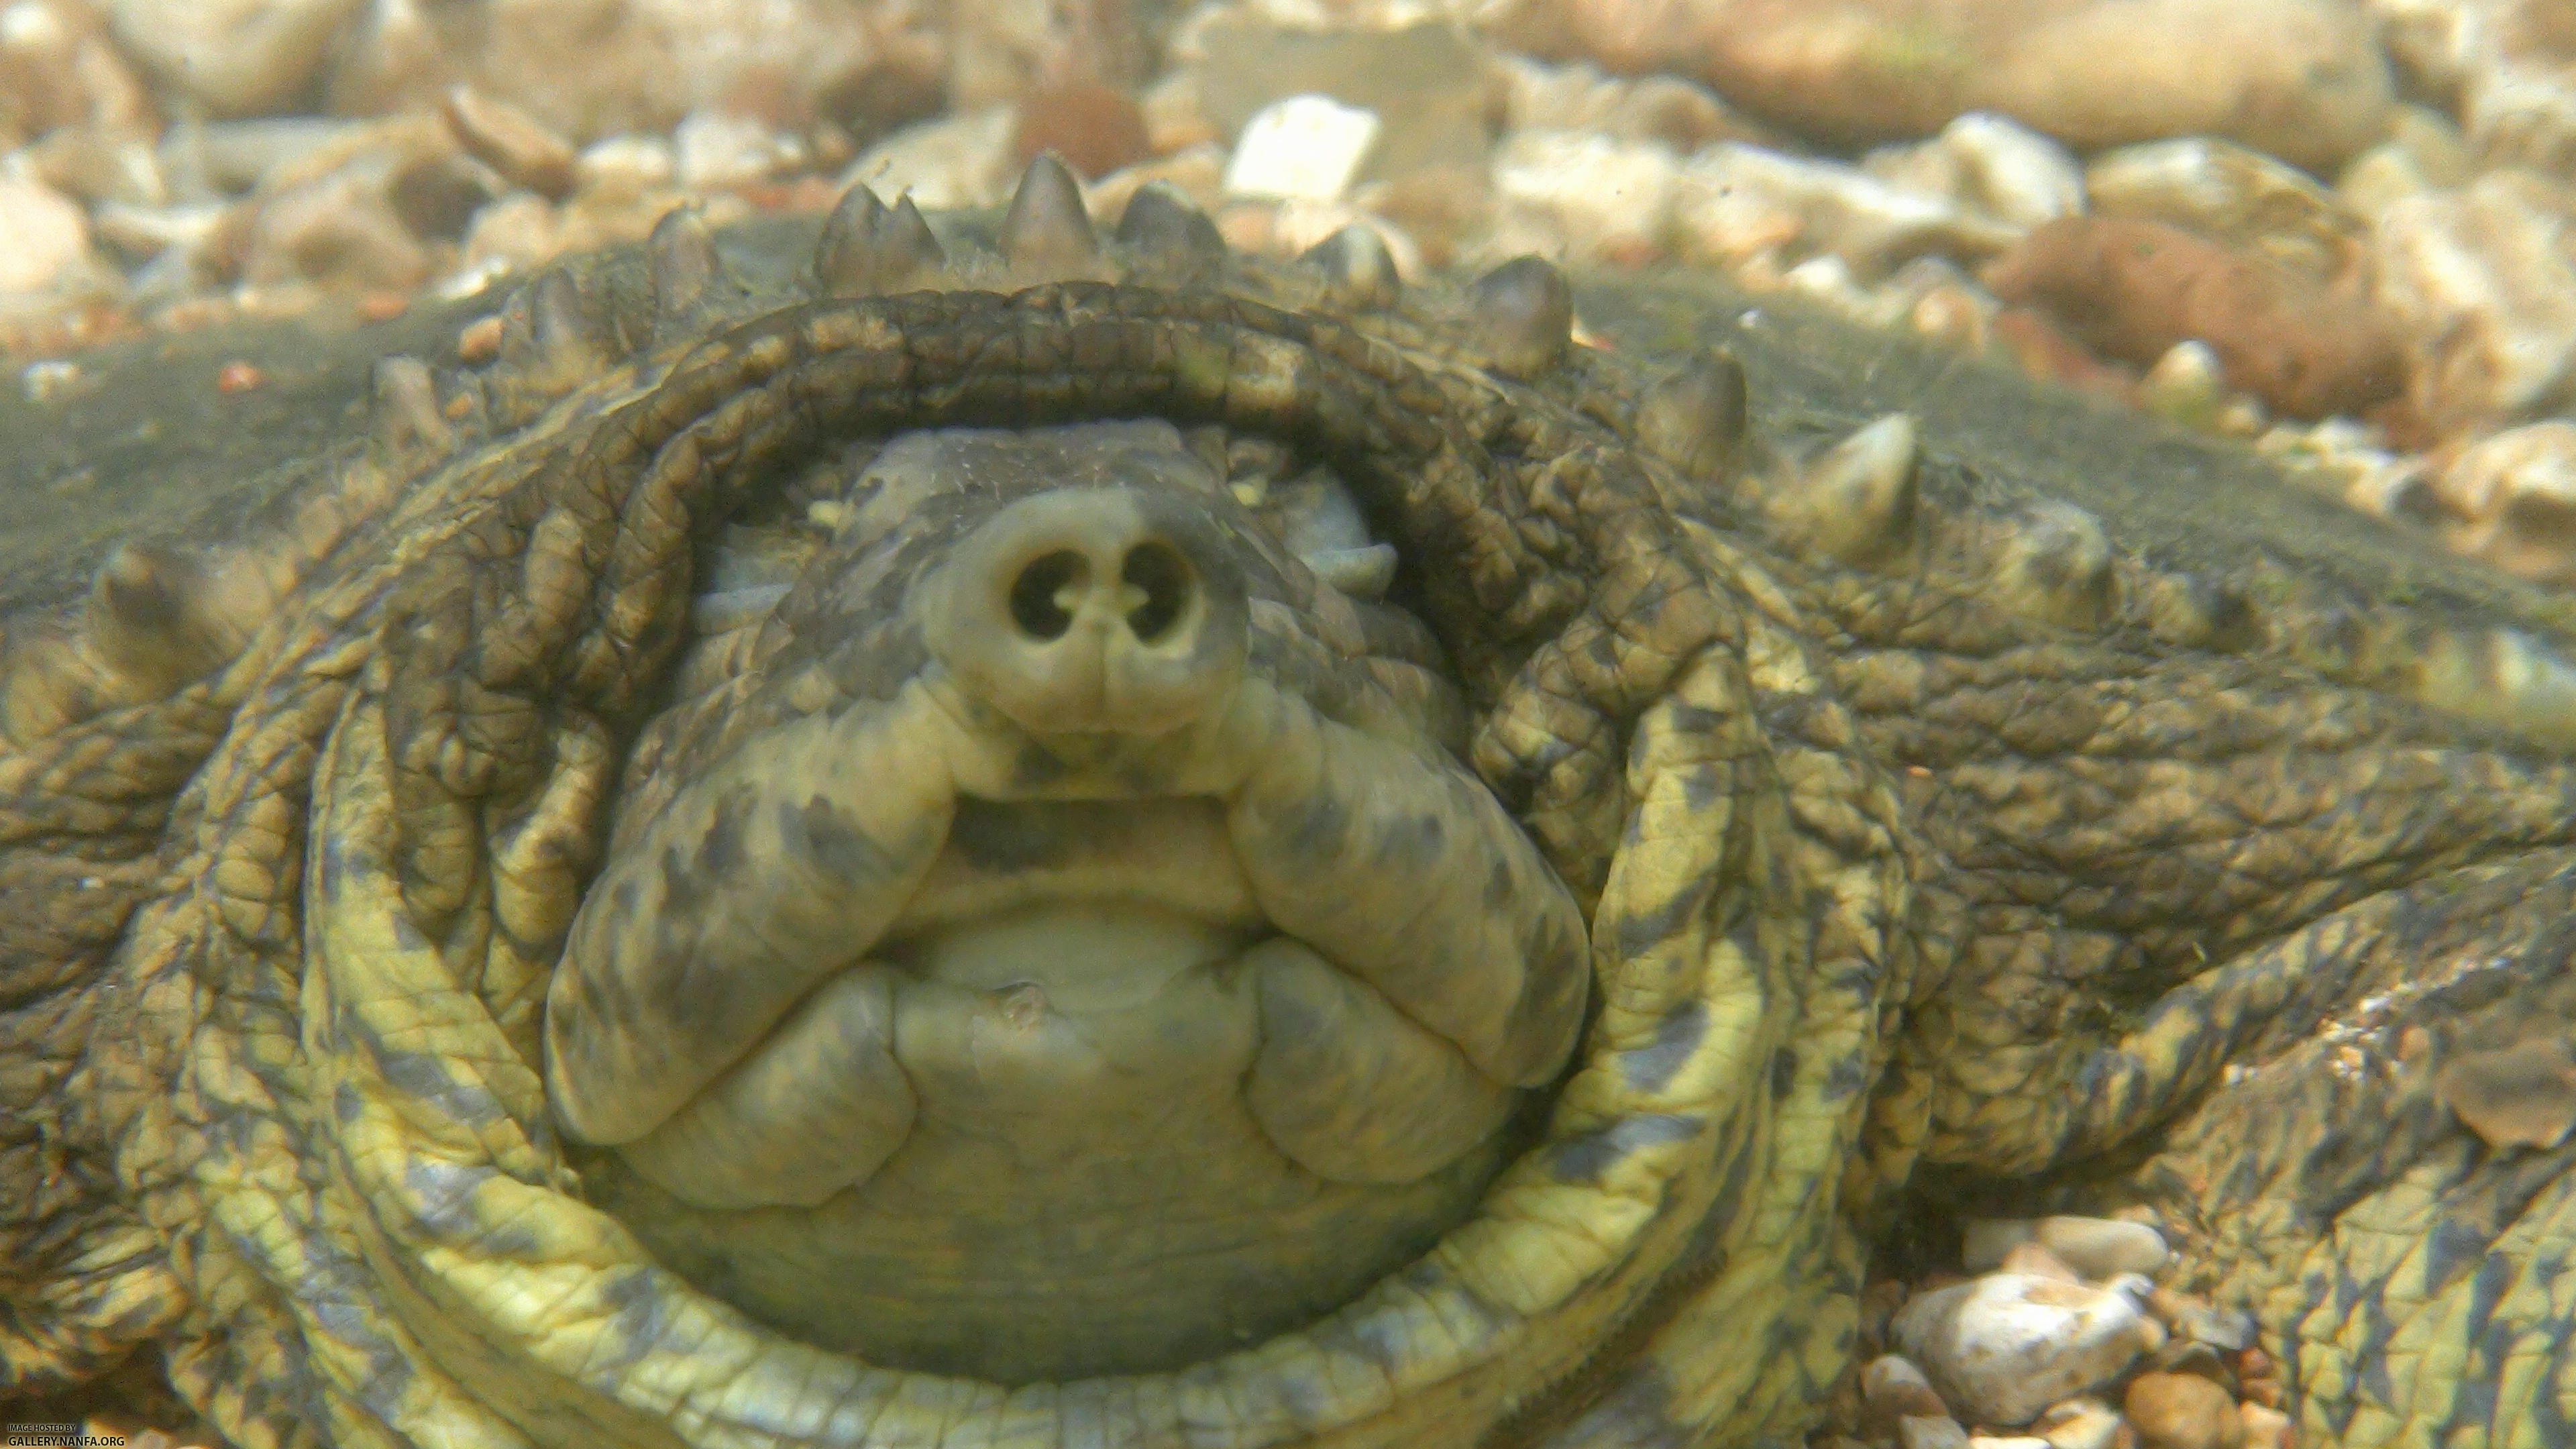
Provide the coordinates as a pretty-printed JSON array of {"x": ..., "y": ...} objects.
[{"x": 1138, "y": 1268}]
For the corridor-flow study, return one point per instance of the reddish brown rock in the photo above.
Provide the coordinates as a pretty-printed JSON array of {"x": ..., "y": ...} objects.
[
  {"x": 2132, "y": 289},
  {"x": 1096, "y": 129}
]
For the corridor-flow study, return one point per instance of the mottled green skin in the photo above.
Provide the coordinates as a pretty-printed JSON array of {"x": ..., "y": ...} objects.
[{"x": 1976, "y": 862}]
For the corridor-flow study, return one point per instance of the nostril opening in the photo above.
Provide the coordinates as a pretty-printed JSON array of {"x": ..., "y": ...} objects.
[
  {"x": 1157, "y": 571},
  {"x": 1037, "y": 594}
]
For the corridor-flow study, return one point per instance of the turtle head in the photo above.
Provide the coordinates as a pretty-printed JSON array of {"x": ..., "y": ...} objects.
[{"x": 1062, "y": 939}]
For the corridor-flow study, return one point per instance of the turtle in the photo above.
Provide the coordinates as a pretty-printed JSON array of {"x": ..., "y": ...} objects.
[{"x": 972, "y": 831}]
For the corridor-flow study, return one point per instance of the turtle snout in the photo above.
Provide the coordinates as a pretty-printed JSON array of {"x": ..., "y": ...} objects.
[{"x": 1093, "y": 610}]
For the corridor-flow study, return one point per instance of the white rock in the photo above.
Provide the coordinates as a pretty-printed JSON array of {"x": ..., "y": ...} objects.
[
  {"x": 2481, "y": 283},
  {"x": 1304, "y": 148},
  {"x": 2079, "y": 1424},
  {"x": 625, "y": 166},
  {"x": 150, "y": 230},
  {"x": 2006, "y": 1346},
  {"x": 519, "y": 231},
  {"x": 716, "y": 148},
  {"x": 1583, "y": 97},
  {"x": 59, "y": 68},
  {"x": 2006, "y": 1441},
  {"x": 1734, "y": 202},
  {"x": 2186, "y": 386},
  {"x": 48, "y": 236},
  {"x": 2232, "y": 193},
  {"x": 235, "y": 57},
  {"x": 1997, "y": 166},
  {"x": 2514, "y": 495},
  {"x": 1603, "y": 198},
  {"x": 954, "y": 161}
]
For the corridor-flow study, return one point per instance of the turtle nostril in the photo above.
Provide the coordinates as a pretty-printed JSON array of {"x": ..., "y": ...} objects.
[
  {"x": 1164, "y": 579},
  {"x": 1037, "y": 595}
]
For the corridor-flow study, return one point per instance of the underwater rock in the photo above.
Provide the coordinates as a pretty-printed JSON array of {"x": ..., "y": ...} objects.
[
  {"x": 2006, "y": 1346},
  {"x": 2266, "y": 1428},
  {"x": 48, "y": 236},
  {"x": 1893, "y": 1388},
  {"x": 1733, "y": 202},
  {"x": 1585, "y": 197},
  {"x": 58, "y": 69},
  {"x": 2079, "y": 1424},
  {"x": 2481, "y": 285},
  {"x": 2183, "y": 1411},
  {"x": 2233, "y": 195},
  {"x": 2424, "y": 152},
  {"x": 2302, "y": 79},
  {"x": 1990, "y": 164},
  {"x": 1580, "y": 96},
  {"x": 506, "y": 138},
  {"x": 1429, "y": 83},
  {"x": 589, "y": 70},
  {"x": 2132, "y": 289},
  {"x": 961, "y": 160},
  {"x": 2522, "y": 1095},
  {"x": 1303, "y": 148},
  {"x": 1097, "y": 129},
  {"x": 232, "y": 57}
]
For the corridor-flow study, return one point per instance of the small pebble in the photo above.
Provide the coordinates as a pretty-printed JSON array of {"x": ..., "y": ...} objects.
[
  {"x": 2186, "y": 386},
  {"x": 237, "y": 376},
  {"x": 1304, "y": 148},
  {"x": 2201, "y": 1321},
  {"x": 48, "y": 236},
  {"x": 2094, "y": 1247},
  {"x": 479, "y": 340},
  {"x": 2183, "y": 1411},
  {"x": 625, "y": 166},
  {"x": 1599, "y": 199},
  {"x": 2134, "y": 288},
  {"x": 2232, "y": 194},
  {"x": 1893, "y": 1388},
  {"x": 1734, "y": 202},
  {"x": 955, "y": 161},
  {"x": 2482, "y": 288},
  {"x": 2036, "y": 1260},
  {"x": 512, "y": 142},
  {"x": 2006, "y": 1346},
  {"x": 718, "y": 148},
  {"x": 2080, "y": 1424},
  {"x": 2006, "y": 1441},
  {"x": 1927, "y": 1432},
  {"x": 2266, "y": 1428},
  {"x": 1991, "y": 164}
]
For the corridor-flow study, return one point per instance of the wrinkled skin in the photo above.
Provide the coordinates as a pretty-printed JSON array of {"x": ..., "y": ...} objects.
[{"x": 677, "y": 897}]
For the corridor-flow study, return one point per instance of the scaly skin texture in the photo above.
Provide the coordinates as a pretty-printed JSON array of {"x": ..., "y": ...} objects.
[{"x": 1928, "y": 828}]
